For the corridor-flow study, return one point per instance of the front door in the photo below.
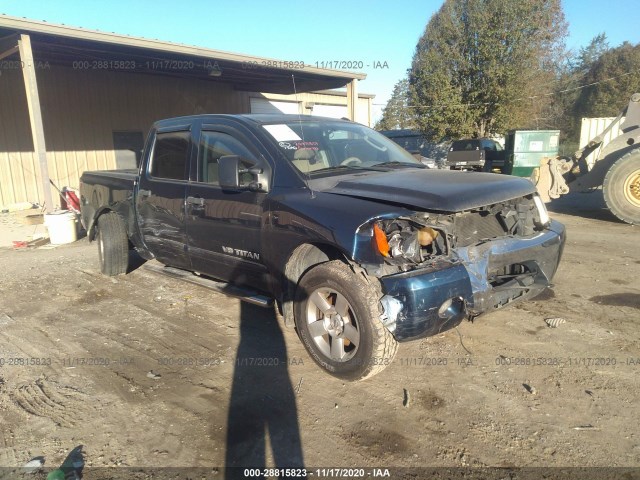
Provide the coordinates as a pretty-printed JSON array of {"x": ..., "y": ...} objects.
[
  {"x": 224, "y": 228},
  {"x": 160, "y": 201}
]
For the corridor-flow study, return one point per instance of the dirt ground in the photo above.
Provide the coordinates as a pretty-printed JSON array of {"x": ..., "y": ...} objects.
[{"x": 146, "y": 371}]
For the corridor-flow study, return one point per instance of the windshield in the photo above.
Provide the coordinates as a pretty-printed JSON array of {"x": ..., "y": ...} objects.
[{"x": 324, "y": 146}]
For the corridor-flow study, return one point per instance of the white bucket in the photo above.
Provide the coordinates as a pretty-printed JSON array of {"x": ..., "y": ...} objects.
[{"x": 62, "y": 226}]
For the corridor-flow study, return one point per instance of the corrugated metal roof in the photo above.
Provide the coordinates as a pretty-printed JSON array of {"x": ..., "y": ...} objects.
[{"x": 65, "y": 44}]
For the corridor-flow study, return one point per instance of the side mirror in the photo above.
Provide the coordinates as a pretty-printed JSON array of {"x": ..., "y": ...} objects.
[
  {"x": 230, "y": 167},
  {"x": 229, "y": 171}
]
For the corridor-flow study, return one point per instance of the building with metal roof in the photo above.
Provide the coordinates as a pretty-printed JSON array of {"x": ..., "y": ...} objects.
[{"x": 73, "y": 99}]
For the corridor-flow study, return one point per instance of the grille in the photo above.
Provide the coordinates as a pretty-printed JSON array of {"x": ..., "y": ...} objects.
[{"x": 473, "y": 227}]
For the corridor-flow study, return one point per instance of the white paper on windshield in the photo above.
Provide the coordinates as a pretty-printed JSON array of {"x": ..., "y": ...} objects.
[{"x": 281, "y": 133}]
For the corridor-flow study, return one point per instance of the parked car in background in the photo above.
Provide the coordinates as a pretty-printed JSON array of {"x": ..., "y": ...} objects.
[
  {"x": 480, "y": 154},
  {"x": 414, "y": 142}
]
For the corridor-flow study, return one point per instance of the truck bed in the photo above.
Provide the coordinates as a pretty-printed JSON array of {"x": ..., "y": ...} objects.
[{"x": 112, "y": 189}]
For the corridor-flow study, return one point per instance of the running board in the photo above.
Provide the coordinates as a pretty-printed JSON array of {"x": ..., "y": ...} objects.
[{"x": 243, "y": 294}]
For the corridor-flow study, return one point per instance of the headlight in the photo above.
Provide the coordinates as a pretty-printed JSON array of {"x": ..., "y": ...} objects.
[
  {"x": 402, "y": 240},
  {"x": 542, "y": 210}
]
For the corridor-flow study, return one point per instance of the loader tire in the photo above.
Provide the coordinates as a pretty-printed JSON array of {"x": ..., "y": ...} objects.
[
  {"x": 621, "y": 188},
  {"x": 113, "y": 244}
]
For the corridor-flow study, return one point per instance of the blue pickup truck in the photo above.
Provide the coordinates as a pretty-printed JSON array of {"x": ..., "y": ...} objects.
[{"x": 359, "y": 244}]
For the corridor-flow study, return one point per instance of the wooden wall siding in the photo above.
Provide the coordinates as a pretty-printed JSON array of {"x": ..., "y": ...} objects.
[
  {"x": 18, "y": 165},
  {"x": 81, "y": 109}
]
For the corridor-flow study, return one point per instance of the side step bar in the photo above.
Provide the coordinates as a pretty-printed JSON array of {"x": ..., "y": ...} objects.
[{"x": 243, "y": 294}]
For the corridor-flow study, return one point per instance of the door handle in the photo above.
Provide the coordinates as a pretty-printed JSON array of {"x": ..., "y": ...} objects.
[
  {"x": 197, "y": 201},
  {"x": 144, "y": 193}
]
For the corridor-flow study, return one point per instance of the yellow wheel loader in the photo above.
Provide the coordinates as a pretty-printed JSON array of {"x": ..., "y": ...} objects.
[{"x": 616, "y": 168}]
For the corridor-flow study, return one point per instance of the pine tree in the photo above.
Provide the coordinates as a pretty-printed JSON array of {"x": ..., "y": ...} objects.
[
  {"x": 572, "y": 74},
  {"x": 616, "y": 76},
  {"x": 484, "y": 66},
  {"x": 396, "y": 114}
]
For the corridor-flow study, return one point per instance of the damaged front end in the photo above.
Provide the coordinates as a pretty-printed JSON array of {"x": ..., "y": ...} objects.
[{"x": 437, "y": 269}]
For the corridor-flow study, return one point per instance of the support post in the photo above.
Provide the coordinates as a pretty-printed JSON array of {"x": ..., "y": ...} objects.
[
  {"x": 35, "y": 116},
  {"x": 352, "y": 99}
]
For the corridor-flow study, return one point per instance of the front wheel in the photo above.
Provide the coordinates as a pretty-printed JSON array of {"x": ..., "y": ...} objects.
[
  {"x": 337, "y": 315},
  {"x": 621, "y": 188}
]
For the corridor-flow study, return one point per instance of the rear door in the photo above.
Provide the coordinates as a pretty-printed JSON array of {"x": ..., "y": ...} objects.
[
  {"x": 224, "y": 228},
  {"x": 160, "y": 201},
  {"x": 495, "y": 154}
]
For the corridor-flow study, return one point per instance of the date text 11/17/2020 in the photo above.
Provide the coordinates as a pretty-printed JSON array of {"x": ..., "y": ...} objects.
[{"x": 326, "y": 64}]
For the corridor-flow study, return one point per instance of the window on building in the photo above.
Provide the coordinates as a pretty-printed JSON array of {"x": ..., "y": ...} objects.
[{"x": 170, "y": 156}]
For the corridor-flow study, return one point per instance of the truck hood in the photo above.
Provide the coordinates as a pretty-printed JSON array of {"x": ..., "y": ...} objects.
[{"x": 439, "y": 190}]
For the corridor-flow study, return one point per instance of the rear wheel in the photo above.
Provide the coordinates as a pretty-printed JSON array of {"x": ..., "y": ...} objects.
[
  {"x": 621, "y": 188},
  {"x": 113, "y": 244},
  {"x": 337, "y": 316}
]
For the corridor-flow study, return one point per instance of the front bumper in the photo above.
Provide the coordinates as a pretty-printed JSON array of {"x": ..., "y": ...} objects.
[{"x": 434, "y": 300}]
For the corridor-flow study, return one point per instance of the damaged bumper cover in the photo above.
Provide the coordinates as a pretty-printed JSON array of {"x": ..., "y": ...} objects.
[{"x": 484, "y": 277}]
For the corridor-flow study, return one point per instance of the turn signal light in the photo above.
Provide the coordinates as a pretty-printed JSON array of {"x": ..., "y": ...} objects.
[{"x": 381, "y": 241}]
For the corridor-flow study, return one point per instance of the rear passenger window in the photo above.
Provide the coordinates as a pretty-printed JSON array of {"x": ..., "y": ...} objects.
[
  {"x": 464, "y": 145},
  {"x": 170, "y": 156}
]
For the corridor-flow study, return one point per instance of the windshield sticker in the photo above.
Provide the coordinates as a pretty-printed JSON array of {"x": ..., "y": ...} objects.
[
  {"x": 309, "y": 145},
  {"x": 298, "y": 145},
  {"x": 282, "y": 133}
]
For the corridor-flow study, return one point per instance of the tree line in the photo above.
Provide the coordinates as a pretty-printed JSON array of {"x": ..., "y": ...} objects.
[{"x": 483, "y": 67}]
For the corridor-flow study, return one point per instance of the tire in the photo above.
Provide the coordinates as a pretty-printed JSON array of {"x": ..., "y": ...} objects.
[
  {"x": 621, "y": 188},
  {"x": 113, "y": 244},
  {"x": 349, "y": 342}
]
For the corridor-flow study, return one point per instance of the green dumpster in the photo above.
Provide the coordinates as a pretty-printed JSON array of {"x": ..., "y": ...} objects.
[{"x": 525, "y": 148}]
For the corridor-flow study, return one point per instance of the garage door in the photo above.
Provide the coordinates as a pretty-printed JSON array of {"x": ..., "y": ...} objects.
[
  {"x": 262, "y": 105},
  {"x": 332, "y": 111}
]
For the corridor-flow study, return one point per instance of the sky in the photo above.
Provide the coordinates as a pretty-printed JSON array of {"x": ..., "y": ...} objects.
[{"x": 381, "y": 34}]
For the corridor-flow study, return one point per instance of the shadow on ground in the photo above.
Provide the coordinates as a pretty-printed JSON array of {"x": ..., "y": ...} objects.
[
  {"x": 135, "y": 261},
  {"x": 585, "y": 205},
  {"x": 262, "y": 405}
]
